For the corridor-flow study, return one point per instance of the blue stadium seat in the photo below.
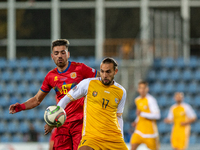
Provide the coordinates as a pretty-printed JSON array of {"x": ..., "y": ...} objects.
[
  {"x": 4, "y": 102},
  {"x": 24, "y": 63},
  {"x": 195, "y": 128},
  {"x": 164, "y": 113},
  {"x": 6, "y": 76},
  {"x": 13, "y": 127},
  {"x": 151, "y": 75},
  {"x": 39, "y": 127},
  {"x": 49, "y": 101},
  {"x": 2, "y": 89},
  {"x": 41, "y": 114},
  {"x": 28, "y": 76},
  {"x": 3, "y": 63},
  {"x": 127, "y": 127},
  {"x": 193, "y": 139},
  {"x": 192, "y": 88},
  {"x": 194, "y": 62},
  {"x": 187, "y": 75},
  {"x": 162, "y": 101},
  {"x": 181, "y": 87},
  {"x": 132, "y": 115},
  {"x": 175, "y": 75},
  {"x": 39, "y": 76},
  {"x": 197, "y": 100},
  {"x": 32, "y": 114},
  {"x": 165, "y": 139},
  {"x": 17, "y": 138},
  {"x": 163, "y": 75},
  {"x": 17, "y": 76},
  {"x": 35, "y": 63},
  {"x": 157, "y": 63},
  {"x": 157, "y": 88},
  {"x": 3, "y": 127},
  {"x": 162, "y": 127},
  {"x": 168, "y": 63},
  {"x": 42, "y": 138},
  {"x": 11, "y": 89},
  {"x": 180, "y": 63},
  {"x": 196, "y": 75},
  {"x": 5, "y": 138},
  {"x": 24, "y": 127},
  {"x": 33, "y": 89},
  {"x": 22, "y": 89},
  {"x": 46, "y": 63},
  {"x": 169, "y": 88},
  {"x": 12, "y": 64}
]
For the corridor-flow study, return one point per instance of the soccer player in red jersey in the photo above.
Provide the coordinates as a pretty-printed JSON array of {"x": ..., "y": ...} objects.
[
  {"x": 52, "y": 138},
  {"x": 62, "y": 79}
]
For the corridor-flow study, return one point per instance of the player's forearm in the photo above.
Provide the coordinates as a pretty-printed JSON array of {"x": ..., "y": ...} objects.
[
  {"x": 121, "y": 123},
  {"x": 152, "y": 116},
  {"x": 191, "y": 120},
  {"x": 32, "y": 103}
]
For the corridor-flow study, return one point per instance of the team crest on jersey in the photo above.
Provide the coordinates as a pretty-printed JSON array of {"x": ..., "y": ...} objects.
[
  {"x": 94, "y": 93},
  {"x": 145, "y": 107},
  {"x": 73, "y": 75},
  {"x": 116, "y": 100},
  {"x": 55, "y": 78},
  {"x": 74, "y": 88}
]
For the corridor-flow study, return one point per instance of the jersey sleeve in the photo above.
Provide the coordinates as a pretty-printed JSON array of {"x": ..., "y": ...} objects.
[
  {"x": 190, "y": 112},
  {"x": 88, "y": 72},
  {"x": 170, "y": 115},
  {"x": 45, "y": 85},
  {"x": 121, "y": 104},
  {"x": 155, "y": 111},
  {"x": 79, "y": 90}
]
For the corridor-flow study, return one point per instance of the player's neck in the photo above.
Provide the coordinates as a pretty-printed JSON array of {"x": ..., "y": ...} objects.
[
  {"x": 143, "y": 96},
  {"x": 178, "y": 103},
  {"x": 61, "y": 69}
]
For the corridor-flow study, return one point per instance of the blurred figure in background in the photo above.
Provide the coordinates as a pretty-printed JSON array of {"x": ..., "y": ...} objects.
[
  {"x": 145, "y": 124},
  {"x": 33, "y": 135},
  {"x": 181, "y": 115}
]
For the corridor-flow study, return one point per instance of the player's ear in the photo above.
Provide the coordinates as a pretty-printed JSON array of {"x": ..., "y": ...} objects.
[
  {"x": 116, "y": 70},
  {"x": 68, "y": 54},
  {"x": 51, "y": 56}
]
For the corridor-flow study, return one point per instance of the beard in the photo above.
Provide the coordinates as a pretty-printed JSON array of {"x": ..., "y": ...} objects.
[
  {"x": 109, "y": 82},
  {"x": 61, "y": 64}
]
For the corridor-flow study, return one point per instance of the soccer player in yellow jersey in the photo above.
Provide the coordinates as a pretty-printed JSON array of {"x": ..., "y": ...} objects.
[
  {"x": 103, "y": 107},
  {"x": 181, "y": 115},
  {"x": 145, "y": 124}
]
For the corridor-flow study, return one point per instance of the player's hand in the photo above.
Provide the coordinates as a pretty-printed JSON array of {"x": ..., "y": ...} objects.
[
  {"x": 133, "y": 124},
  {"x": 14, "y": 107},
  {"x": 47, "y": 129},
  {"x": 138, "y": 112},
  {"x": 184, "y": 123}
]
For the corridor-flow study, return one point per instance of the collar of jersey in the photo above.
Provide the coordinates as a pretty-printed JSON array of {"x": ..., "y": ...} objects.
[{"x": 69, "y": 63}]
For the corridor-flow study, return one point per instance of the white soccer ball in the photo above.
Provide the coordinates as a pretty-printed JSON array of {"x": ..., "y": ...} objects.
[{"x": 55, "y": 116}]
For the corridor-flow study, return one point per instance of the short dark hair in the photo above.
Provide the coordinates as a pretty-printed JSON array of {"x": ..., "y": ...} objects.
[
  {"x": 60, "y": 42},
  {"x": 143, "y": 82},
  {"x": 109, "y": 60}
]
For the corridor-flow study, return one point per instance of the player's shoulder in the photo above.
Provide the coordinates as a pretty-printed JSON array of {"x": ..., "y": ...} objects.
[
  {"x": 120, "y": 86},
  {"x": 53, "y": 71},
  {"x": 186, "y": 105},
  {"x": 137, "y": 98},
  {"x": 88, "y": 80},
  {"x": 173, "y": 106},
  {"x": 73, "y": 63},
  {"x": 150, "y": 97}
]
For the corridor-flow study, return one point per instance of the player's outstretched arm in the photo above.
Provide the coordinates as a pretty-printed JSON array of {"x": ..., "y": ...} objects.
[
  {"x": 29, "y": 104},
  {"x": 77, "y": 92}
]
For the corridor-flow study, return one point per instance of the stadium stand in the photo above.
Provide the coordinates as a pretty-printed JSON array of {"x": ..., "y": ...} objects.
[{"x": 21, "y": 79}]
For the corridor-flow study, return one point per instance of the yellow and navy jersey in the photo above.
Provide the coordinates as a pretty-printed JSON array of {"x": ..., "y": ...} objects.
[
  {"x": 101, "y": 105},
  {"x": 146, "y": 122},
  {"x": 180, "y": 113}
]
